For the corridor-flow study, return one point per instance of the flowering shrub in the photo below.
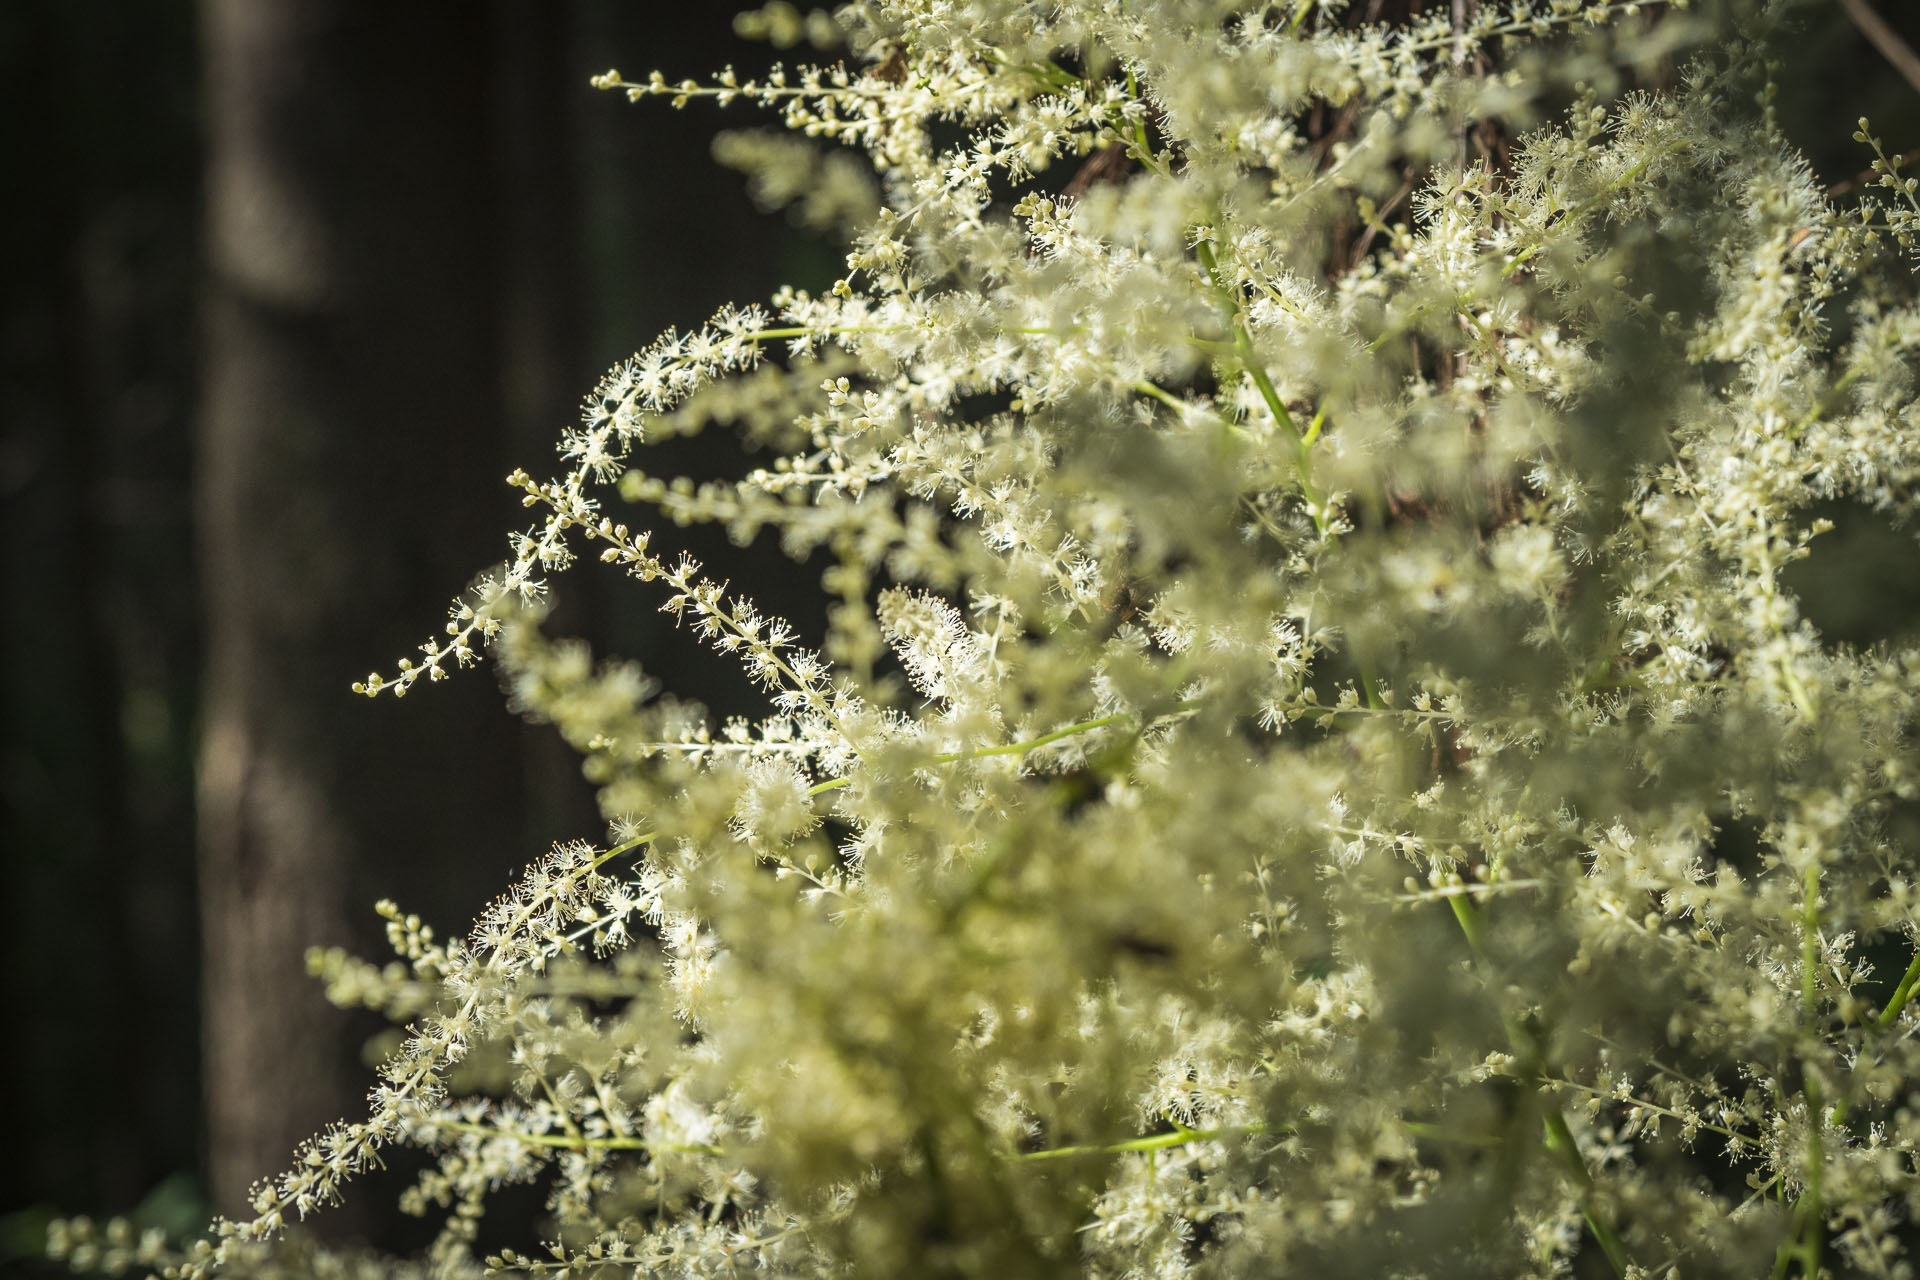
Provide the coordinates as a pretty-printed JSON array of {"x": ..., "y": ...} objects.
[{"x": 1316, "y": 765}]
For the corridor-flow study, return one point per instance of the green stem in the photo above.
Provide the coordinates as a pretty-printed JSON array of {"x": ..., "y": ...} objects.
[
  {"x": 1731, "y": 1135},
  {"x": 571, "y": 1142},
  {"x": 1469, "y": 919},
  {"x": 803, "y": 331},
  {"x": 1558, "y": 1138},
  {"x": 1313, "y": 428},
  {"x": 1031, "y": 744},
  {"x": 1250, "y": 362},
  {"x": 1902, "y": 993},
  {"x": 1163, "y": 396},
  {"x": 1593, "y": 202},
  {"x": 1180, "y": 1137},
  {"x": 1810, "y": 946},
  {"x": 1435, "y": 1133},
  {"x": 833, "y": 330},
  {"x": 1809, "y": 1215},
  {"x": 1813, "y": 1213},
  {"x": 1143, "y": 152},
  {"x": 1243, "y": 342},
  {"x": 1010, "y": 748},
  {"x": 647, "y": 837},
  {"x": 1827, "y": 401},
  {"x": 952, "y": 757},
  {"x": 1560, "y": 1142}
]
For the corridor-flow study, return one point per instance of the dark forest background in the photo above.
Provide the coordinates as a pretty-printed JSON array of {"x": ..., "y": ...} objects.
[{"x": 289, "y": 287}]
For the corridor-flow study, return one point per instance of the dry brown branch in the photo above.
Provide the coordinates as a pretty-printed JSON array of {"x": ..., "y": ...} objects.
[{"x": 1884, "y": 38}]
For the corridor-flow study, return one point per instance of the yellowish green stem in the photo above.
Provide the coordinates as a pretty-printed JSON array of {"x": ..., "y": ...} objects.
[
  {"x": 1558, "y": 1138},
  {"x": 1902, "y": 993},
  {"x": 1180, "y": 1137},
  {"x": 574, "y": 1142}
]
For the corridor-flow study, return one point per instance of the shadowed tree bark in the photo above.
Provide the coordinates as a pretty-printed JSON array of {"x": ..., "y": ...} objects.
[
  {"x": 352, "y": 416},
  {"x": 409, "y": 230}
]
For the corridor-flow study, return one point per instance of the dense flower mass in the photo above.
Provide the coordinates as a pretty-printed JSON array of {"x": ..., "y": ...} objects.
[{"x": 1318, "y": 765}]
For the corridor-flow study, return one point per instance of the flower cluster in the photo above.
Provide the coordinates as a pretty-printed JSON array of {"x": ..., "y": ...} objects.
[{"x": 1317, "y": 766}]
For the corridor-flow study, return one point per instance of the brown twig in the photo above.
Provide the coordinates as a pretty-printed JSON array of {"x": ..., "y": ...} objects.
[
  {"x": 1865, "y": 176},
  {"x": 1884, "y": 38}
]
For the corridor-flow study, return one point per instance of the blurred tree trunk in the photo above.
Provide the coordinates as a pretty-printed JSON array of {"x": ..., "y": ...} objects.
[
  {"x": 350, "y": 436},
  {"x": 404, "y": 221},
  {"x": 547, "y": 356}
]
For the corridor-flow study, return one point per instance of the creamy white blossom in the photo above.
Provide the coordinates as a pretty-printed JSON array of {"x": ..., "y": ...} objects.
[{"x": 1318, "y": 765}]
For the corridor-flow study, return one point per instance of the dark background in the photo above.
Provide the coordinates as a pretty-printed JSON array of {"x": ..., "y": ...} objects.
[{"x": 289, "y": 287}]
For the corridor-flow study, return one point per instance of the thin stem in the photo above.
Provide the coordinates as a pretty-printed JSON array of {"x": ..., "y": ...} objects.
[
  {"x": 1243, "y": 343},
  {"x": 1527, "y": 24},
  {"x": 1469, "y": 920},
  {"x": 952, "y": 757},
  {"x": 1180, "y": 1137},
  {"x": 1826, "y": 402},
  {"x": 1810, "y": 946},
  {"x": 1591, "y": 203},
  {"x": 1560, "y": 1142},
  {"x": 1313, "y": 428},
  {"x": 1250, "y": 362},
  {"x": 1322, "y": 711},
  {"x": 1732, "y": 1135},
  {"x": 1163, "y": 396},
  {"x": 1812, "y": 1212},
  {"x": 1009, "y": 748},
  {"x": 834, "y": 330},
  {"x": 1138, "y": 146},
  {"x": 626, "y": 847},
  {"x": 572, "y": 1142},
  {"x": 803, "y": 331},
  {"x": 1898, "y": 53},
  {"x": 1809, "y": 1214},
  {"x": 573, "y": 1130},
  {"x": 1902, "y": 993},
  {"x": 1559, "y": 1139},
  {"x": 1435, "y": 1133},
  {"x": 1031, "y": 744}
]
